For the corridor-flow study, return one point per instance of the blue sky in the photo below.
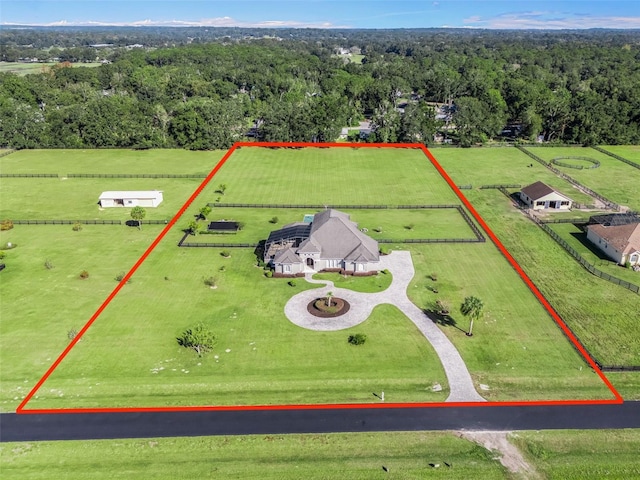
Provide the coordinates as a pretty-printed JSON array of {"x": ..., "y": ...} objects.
[{"x": 328, "y": 14}]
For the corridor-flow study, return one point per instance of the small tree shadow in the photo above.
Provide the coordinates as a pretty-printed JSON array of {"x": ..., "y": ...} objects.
[{"x": 442, "y": 319}]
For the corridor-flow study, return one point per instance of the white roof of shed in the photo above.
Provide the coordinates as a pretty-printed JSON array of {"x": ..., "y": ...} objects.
[{"x": 130, "y": 194}]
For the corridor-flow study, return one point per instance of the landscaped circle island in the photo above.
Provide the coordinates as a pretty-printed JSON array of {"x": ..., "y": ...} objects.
[{"x": 322, "y": 308}]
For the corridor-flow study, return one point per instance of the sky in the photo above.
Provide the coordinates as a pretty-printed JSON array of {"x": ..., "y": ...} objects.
[{"x": 494, "y": 14}]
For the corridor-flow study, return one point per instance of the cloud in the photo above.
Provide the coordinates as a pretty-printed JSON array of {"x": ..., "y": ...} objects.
[
  {"x": 550, "y": 20},
  {"x": 205, "y": 22}
]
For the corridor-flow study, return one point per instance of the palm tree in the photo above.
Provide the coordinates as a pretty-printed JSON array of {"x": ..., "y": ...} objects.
[
  {"x": 471, "y": 307},
  {"x": 329, "y": 295}
]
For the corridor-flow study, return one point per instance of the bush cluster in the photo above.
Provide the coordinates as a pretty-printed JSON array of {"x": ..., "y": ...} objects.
[
  {"x": 357, "y": 339},
  {"x": 6, "y": 225}
]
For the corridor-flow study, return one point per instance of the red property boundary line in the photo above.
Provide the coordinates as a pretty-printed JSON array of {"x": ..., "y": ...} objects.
[{"x": 617, "y": 400}]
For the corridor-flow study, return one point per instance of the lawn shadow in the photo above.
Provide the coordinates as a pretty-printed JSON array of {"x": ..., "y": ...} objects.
[
  {"x": 582, "y": 238},
  {"x": 442, "y": 319}
]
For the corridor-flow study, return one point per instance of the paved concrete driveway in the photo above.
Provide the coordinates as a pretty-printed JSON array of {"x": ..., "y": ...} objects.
[{"x": 400, "y": 265}]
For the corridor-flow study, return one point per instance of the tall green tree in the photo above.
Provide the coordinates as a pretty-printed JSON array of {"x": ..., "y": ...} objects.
[
  {"x": 138, "y": 213},
  {"x": 198, "y": 338}
]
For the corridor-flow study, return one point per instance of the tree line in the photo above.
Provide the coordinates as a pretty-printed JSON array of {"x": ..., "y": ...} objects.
[{"x": 552, "y": 87}]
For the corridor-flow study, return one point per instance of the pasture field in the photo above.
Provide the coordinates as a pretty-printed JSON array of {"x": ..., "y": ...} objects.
[
  {"x": 630, "y": 152},
  {"x": 40, "y": 306},
  {"x": 20, "y": 68},
  {"x": 614, "y": 179},
  {"x": 63, "y": 162},
  {"x": 77, "y": 198},
  {"x": 502, "y": 166},
  {"x": 130, "y": 357}
]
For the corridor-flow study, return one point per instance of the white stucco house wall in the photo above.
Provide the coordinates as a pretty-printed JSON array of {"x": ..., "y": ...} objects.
[
  {"x": 148, "y": 198},
  {"x": 330, "y": 242},
  {"x": 540, "y": 196},
  {"x": 620, "y": 243}
]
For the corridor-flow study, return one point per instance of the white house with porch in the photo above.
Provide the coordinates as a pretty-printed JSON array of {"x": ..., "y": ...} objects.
[
  {"x": 330, "y": 242},
  {"x": 540, "y": 196},
  {"x": 149, "y": 198}
]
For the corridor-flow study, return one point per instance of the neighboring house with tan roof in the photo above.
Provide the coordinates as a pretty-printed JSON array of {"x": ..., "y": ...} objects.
[
  {"x": 330, "y": 242},
  {"x": 619, "y": 242},
  {"x": 540, "y": 196}
]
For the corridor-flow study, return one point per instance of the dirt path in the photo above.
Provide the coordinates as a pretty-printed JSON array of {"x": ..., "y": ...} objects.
[{"x": 509, "y": 455}]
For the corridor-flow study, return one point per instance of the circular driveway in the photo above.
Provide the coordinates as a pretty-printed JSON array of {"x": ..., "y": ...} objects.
[{"x": 400, "y": 265}]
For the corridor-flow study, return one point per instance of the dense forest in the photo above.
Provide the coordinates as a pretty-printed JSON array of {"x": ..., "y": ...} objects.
[{"x": 206, "y": 88}]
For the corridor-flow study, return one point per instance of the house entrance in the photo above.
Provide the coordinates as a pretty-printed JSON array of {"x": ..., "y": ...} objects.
[
  {"x": 553, "y": 204},
  {"x": 310, "y": 262},
  {"x": 118, "y": 202}
]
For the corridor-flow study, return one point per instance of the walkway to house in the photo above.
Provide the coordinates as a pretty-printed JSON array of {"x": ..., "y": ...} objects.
[{"x": 400, "y": 265}]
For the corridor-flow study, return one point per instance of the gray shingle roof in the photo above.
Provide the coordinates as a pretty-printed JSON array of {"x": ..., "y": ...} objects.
[{"x": 339, "y": 237}]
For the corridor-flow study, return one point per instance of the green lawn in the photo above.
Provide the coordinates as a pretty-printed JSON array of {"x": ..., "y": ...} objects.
[
  {"x": 370, "y": 284},
  {"x": 340, "y": 455},
  {"x": 614, "y": 179},
  {"x": 582, "y": 454}
]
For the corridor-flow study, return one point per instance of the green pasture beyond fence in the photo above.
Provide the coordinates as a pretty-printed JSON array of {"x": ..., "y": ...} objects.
[
  {"x": 617, "y": 157},
  {"x": 610, "y": 204}
]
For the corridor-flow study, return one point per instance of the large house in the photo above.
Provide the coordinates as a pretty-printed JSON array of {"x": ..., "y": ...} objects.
[
  {"x": 331, "y": 241},
  {"x": 150, "y": 198},
  {"x": 618, "y": 236},
  {"x": 540, "y": 196}
]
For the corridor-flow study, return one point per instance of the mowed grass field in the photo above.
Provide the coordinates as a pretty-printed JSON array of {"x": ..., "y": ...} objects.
[
  {"x": 130, "y": 356},
  {"x": 559, "y": 454},
  {"x": 614, "y": 179},
  {"x": 354, "y": 456}
]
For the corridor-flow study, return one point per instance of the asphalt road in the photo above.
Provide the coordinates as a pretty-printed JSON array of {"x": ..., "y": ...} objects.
[{"x": 81, "y": 426}]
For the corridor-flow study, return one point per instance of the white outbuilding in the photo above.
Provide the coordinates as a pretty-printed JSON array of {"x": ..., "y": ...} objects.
[
  {"x": 147, "y": 198},
  {"x": 540, "y": 196}
]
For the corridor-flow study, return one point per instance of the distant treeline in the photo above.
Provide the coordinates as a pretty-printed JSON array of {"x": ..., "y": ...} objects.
[{"x": 305, "y": 85}]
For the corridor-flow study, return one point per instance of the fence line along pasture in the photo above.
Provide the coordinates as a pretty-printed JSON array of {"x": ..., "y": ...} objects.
[
  {"x": 29, "y": 175},
  {"x": 617, "y": 157},
  {"x": 135, "y": 175},
  {"x": 610, "y": 204},
  {"x": 343, "y": 207},
  {"x": 87, "y": 222},
  {"x": 580, "y": 259},
  {"x": 66, "y": 222}
]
